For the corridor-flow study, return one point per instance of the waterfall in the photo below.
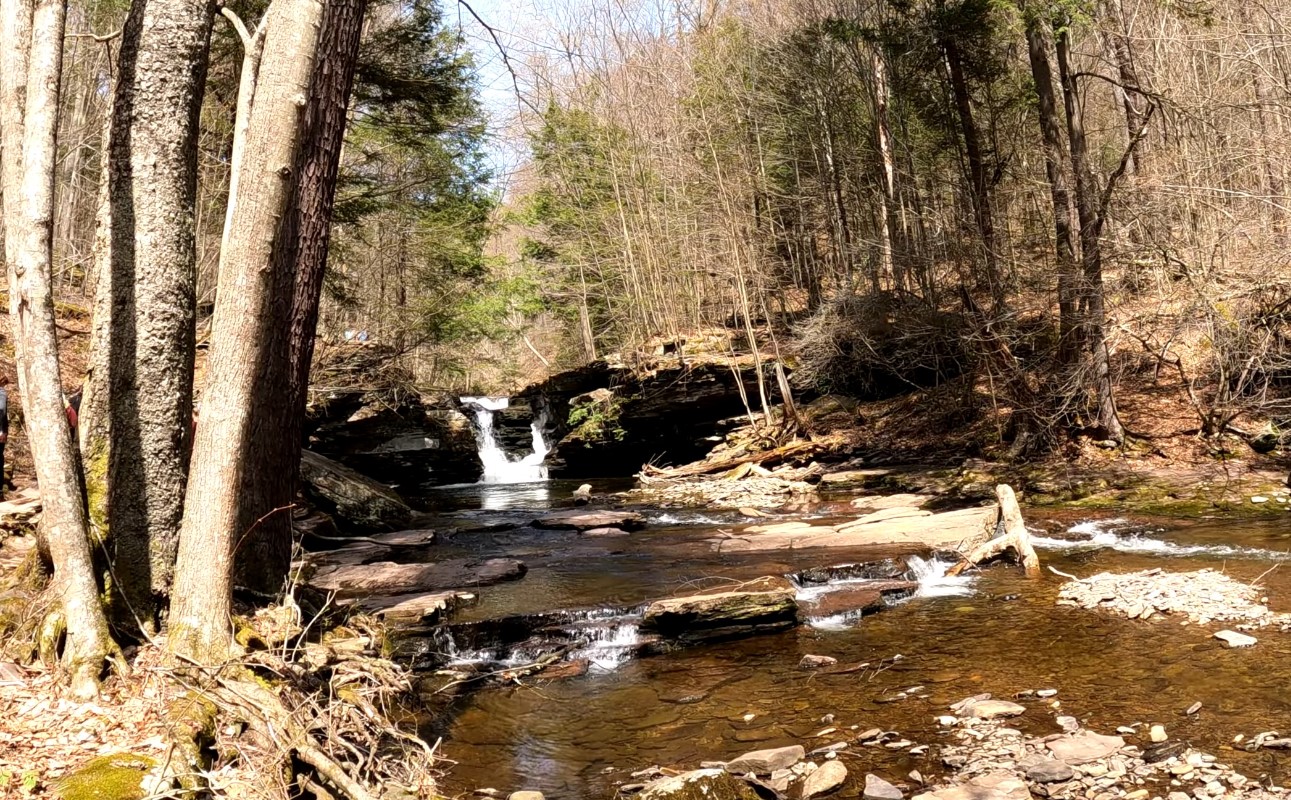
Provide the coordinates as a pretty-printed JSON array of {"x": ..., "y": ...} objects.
[{"x": 498, "y": 466}]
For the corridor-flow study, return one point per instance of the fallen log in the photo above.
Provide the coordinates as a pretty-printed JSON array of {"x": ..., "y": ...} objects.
[
  {"x": 1015, "y": 537},
  {"x": 773, "y": 456}
]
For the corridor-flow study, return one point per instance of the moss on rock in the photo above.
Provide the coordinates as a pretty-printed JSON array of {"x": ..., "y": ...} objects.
[{"x": 112, "y": 777}]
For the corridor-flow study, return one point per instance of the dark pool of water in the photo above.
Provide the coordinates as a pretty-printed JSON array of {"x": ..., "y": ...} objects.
[{"x": 579, "y": 738}]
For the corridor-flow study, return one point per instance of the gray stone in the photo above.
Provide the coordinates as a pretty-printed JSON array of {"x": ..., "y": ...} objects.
[
  {"x": 1047, "y": 770},
  {"x": 589, "y": 520},
  {"x": 829, "y": 777},
  {"x": 354, "y": 498},
  {"x": 878, "y": 789},
  {"x": 1235, "y": 639},
  {"x": 995, "y": 709},
  {"x": 385, "y": 577},
  {"x": 765, "y": 762},
  {"x": 1084, "y": 747},
  {"x": 816, "y": 662},
  {"x": 991, "y": 786},
  {"x": 526, "y": 795},
  {"x": 762, "y": 605},
  {"x": 605, "y": 532},
  {"x": 1157, "y": 734}
]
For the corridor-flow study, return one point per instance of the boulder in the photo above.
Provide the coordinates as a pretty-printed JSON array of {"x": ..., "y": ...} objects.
[
  {"x": 590, "y": 520},
  {"x": 388, "y": 578},
  {"x": 830, "y": 776},
  {"x": 991, "y": 786},
  {"x": 765, "y": 762},
  {"x": 583, "y": 494},
  {"x": 864, "y": 598},
  {"x": 1084, "y": 747},
  {"x": 994, "y": 709},
  {"x": 1047, "y": 770},
  {"x": 525, "y": 795},
  {"x": 701, "y": 784},
  {"x": 356, "y": 500},
  {"x": 878, "y": 789},
  {"x": 911, "y": 528},
  {"x": 758, "y": 606},
  {"x": 605, "y": 532}
]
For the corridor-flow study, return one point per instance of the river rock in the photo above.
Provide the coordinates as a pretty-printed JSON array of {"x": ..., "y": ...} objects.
[
  {"x": 605, "y": 532},
  {"x": 412, "y": 609},
  {"x": 525, "y": 795},
  {"x": 1163, "y": 751},
  {"x": 1084, "y": 747},
  {"x": 1047, "y": 770},
  {"x": 700, "y": 784},
  {"x": 590, "y": 520},
  {"x": 878, "y": 789},
  {"x": 583, "y": 494},
  {"x": 816, "y": 662},
  {"x": 1157, "y": 734},
  {"x": 385, "y": 577},
  {"x": 417, "y": 538},
  {"x": 1235, "y": 639},
  {"x": 908, "y": 527},
  {"x": 757, "y": 606},
  {"x": 765, "y": 762},
  {"x": 829, "y": 777},
  {"x": 995, "y": 709},
  {"x": 991, "y": 786},
  {"x": 863, "y": 598},
  {"x": 355, "y": 499}
]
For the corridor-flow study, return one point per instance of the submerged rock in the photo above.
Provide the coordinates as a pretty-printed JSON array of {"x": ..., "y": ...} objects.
[
  {"x": 700, "y": 784},
  {"x": 757, "y": 606},
  {"x": 830, "y": 776},
  {"x": 765, "y": 762}
]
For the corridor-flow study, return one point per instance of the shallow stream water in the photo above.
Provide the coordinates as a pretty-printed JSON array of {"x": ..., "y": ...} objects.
[{"x": 999, "y": 633}]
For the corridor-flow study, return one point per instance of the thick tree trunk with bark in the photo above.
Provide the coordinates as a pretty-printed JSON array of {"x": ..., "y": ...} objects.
[
  {"x": 1058, "y": 169},
  {"x": 300, "y": 259},
  {"x": 32, "y": 39},
  {"x": 241, "y": 335},
  {"x": 1088, "y": 208},
  {"x": 141, "y": 380}
]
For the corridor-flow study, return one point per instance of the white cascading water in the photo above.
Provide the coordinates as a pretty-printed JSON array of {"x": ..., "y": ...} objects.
[{"x": 498, "y": 466}]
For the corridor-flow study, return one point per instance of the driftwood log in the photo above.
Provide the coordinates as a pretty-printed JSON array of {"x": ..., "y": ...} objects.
[{"x": 1015, "y": 538}]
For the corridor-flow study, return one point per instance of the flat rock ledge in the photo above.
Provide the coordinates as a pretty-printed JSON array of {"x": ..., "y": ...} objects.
[
  {"x": 899, "y": 526},
  {"x": 1198, "y": 598},
  {"x": 762, "y": 605},
  {"x": 590, "y": 521},
  {"x": 387, "y": 578}
]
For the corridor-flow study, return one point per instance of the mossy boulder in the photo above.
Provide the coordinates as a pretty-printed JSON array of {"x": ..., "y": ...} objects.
[{"x": 119, "y": 776}]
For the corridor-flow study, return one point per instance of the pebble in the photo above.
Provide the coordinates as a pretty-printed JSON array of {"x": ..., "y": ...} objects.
[
  {"x": 1157, "y": 734},
  {"x": 947, "y": 721},
  {"x": 1046, "y": 693},
  {"x": 1193, "y": 709},
  {"x": 872, "y": 733},
  {"x": 1259, "y": 499}
]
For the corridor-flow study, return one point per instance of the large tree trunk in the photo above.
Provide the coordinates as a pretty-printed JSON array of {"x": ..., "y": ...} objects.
[
  {"x": 301, "y": 252},
  {"x": 32, "y": 39},
  {"x": 979, "y": 179},
  {"x": 241, "y": 337},
  {"x": 1088, "y": 206},
  {"x": 141, "y": 381},
  {"x": 1057, "y": 168}
]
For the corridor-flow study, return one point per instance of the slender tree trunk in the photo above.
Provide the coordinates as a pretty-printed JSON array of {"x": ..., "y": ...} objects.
[
  {"x": 979, "y": 179},
  {"x": 300, "y": 260},
  {"x": 241, "y": 338},
  {"x": 252, "y": 50},
  {"x": 141, "y": 380},
  {"x": 894, "y": 273},
  {"x": 1091, "y": 254},
  {"x": 1057, "y": 168},
  {"x": 31, "y": 37}
]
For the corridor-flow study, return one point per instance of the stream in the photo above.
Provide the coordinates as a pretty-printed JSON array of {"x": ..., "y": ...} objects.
[{"x": 992, "y": 632}]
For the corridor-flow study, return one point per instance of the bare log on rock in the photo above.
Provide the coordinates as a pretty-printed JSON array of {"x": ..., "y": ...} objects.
[{"x": 1015, "y": 538}]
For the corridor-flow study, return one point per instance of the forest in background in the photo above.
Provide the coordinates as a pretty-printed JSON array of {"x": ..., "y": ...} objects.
[{"x": 1063, "y": 214}]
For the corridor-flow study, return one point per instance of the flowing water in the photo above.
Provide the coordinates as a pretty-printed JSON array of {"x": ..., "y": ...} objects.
[
  {"x": 498, "y": 466},
  {"x": 994, "y": 632}
]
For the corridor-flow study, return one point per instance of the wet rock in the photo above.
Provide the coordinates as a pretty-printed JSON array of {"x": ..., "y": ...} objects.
[
  {"x": 1068, "y": 724},
  {"x": 758, "y": 606},
  {"x": 765, "y": 762},
  {"x": 904, "y": 527},
  {"x": 590, "y": 520},
  {"x": 995, "y": 709},
  {"x": 878, "y": 789},
  {"x": 865, "y": 598},
  {"x": 1047, "y": 770},
  {"x": 389, "y": 578},
  {"x": 1084, "y": 747},
  {"x": 816, "y": 662},
  {"x": 992, "y": 786},
  {"x": 414, "y": 539},
  {"x": 1235, "y": 639},
  {"x": 583, "y": 494},
  {"x": 351, "y": 497},
  {"x": 700, "y": 784},
  {"x": 829, "y": 777},
  {"x": 412, "y": 609},
  {"x": 525, "y": 795},
  {"x": 1157, "y": 734}
]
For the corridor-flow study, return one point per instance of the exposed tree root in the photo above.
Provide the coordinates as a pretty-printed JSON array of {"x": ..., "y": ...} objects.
[{"x": 1015, "y": 538}]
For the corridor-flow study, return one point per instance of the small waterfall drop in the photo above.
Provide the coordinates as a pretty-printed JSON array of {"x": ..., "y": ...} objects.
[
  {"x": 498, "y": 466},
  {"x": 930, "y": 573}
]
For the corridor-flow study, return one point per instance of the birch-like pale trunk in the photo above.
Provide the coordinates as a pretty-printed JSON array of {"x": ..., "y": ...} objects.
[
  {"x": 31, "y": 37},
  {"x": 240, "y": 337}
]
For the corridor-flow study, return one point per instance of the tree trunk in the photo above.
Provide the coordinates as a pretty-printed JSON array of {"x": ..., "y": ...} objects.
[
  {"x": 1057, "y": 169},
  {"x": 249, "y": 306},
  {"x": 136, "y": 455},
  {"x": 1091, "y": 255},
  {"x": 894, "y": 277},
  {"x": 301, "y": 252},
  {"x": 979, "y": 180},
  {"x": 32, "y": 39}
]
